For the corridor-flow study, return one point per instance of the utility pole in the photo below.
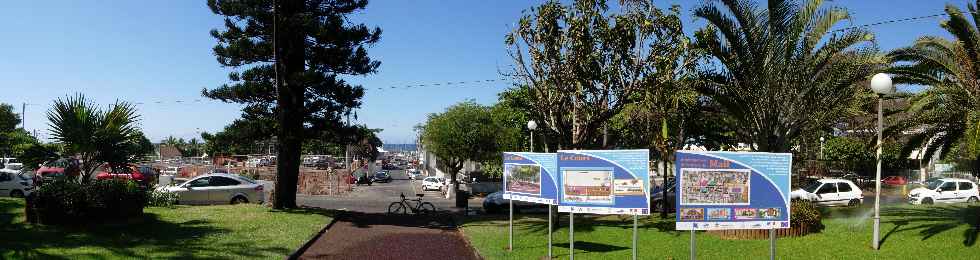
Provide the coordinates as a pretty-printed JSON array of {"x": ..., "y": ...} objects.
[{"x": 23, "y": 115}]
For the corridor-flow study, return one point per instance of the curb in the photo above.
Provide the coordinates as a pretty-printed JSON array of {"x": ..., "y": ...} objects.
[
  {"x": 295, "y": 255},
  {"x": 459, "y": 231}
]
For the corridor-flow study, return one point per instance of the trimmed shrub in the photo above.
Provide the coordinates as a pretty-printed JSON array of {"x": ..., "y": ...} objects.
[
  {"x": 68, "y": 202},
  {"x": 160, "y": 199},
  {"x": 805, "y": 214}
]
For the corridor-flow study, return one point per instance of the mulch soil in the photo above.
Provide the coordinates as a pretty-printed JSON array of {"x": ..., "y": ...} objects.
[{"x": 364, "y": 236}]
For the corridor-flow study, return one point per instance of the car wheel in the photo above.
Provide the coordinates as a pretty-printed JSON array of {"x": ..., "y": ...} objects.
[
  {"x": 927, "y": 201},
  {"x": 17, "y": 194},
  {"x": 972, "y": 200},
  {"x": 853, "y": 202},
  {"x": 239, "y": 200}
]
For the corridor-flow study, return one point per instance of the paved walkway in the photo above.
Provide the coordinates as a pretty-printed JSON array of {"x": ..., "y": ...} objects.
[{"x": 362, "y": 236}]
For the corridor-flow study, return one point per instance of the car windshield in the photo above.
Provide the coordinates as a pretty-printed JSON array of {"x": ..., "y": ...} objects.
[
  {"x": 933, "y": 184},
  {"x": 812, "y": 187}
]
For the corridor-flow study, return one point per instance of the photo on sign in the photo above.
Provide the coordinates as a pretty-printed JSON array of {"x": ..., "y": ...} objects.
[
  {"x": 746, "y": 213},
  {"x": 714, "y": 187},
  {"x": 523, "y": 178},
  {"x": 692, "y": 213},
  {"x": 719, "y": 213},
  {"x": 626, "y": 187},
  {"x": 588, "y": 186},
  {"x": 769, "y": 213}
]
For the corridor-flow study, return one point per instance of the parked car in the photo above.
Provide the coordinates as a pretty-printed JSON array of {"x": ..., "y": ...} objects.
[
  {"x": 381, "y": 176},
  {"x": 128, "y": 172},
  {"x": 657, "y": 196},
  {"x": 14, "y": 184},
  {"x": 433, "y": 183},
  {"x": 217, "y": 188},
  {"x": 495, "y": 203},
  {"x": 10, "y": 163},
  {"x": 945, "y": 190},
  {"x": 894, "y": 180},
  {"x": 50, "y": 170},
  {"x": 171, "y": 171},
  {"x": 830, "y": 192},
  {"x": 413, "y": 174}
]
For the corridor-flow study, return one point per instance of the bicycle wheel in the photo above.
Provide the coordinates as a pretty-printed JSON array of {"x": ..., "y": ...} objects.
[
  {"x": 396, "y": 208},
  {"x": 427, "y": 208}
]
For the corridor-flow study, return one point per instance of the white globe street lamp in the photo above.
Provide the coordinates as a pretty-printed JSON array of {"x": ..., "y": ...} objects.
[{"x": 881, "y": 84}]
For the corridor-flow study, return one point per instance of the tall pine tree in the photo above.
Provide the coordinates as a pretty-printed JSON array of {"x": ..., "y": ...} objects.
[{"x": 292, "y": 54}]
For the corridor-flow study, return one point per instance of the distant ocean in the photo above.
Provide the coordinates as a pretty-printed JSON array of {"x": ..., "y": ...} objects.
[{"x": 399, "y": 147}]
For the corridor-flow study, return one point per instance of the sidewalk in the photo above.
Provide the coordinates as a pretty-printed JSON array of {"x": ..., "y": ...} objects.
[{"x": 363, "y": 236}]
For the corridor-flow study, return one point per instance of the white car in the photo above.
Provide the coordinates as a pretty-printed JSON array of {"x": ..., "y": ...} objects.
[
  {"x": 10, "y": 164},
  {"x": 830, "y": 192},
  {"x": 13, "y": 184},
  {"x": 217, "y": 188},
  {"x": 433, "y": 183},
  {"x": 171, "y": 171},
  {"x": 945, "y": 190}
]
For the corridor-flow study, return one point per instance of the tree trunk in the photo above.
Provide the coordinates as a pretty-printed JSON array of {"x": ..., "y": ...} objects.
[{"x": 291, "y": 46}]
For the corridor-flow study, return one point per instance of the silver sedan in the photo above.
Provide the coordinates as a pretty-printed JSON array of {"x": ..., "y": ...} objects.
[{"x": 217, "y": 188}]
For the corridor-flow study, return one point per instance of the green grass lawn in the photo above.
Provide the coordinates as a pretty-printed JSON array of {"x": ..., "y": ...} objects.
[
  {"x": 909, "y": 232},
  {"x": 182, "y": 232}
]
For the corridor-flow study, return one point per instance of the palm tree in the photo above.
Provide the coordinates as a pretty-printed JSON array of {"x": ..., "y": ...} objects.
[
  {"x": 947, "y": 113},
  {"x": 783, "y": 71},
  {"x": 94, "y": 136}
]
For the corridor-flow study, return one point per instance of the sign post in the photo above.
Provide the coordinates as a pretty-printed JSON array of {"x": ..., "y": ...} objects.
[
  {"x": 634, "y": 236},
  {"x": 733, "y": 190},
  {"x": 529, "y": 177},
  {"x": 603, "y": 182},
  {"x": 772, "y": 244},
  {"x": 693, "y": 251},
  {"x": 571, "y": 235},
  {"x": 549, "y": 231}
]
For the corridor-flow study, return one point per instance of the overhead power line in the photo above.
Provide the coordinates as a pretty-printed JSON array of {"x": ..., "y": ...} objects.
[
  {"x": 891, "y": 21},
  {"x": 201, "y": 100}
]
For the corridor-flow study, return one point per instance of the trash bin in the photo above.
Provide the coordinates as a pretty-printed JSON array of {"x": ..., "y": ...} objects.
[{"x": 462, "y": 199}]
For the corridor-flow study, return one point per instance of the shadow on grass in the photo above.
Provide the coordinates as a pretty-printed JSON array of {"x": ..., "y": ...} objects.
[
  {"x": 593, "y": 247},
  {"x": 146, "y": 237},
  {"x": 583, "y": 222},
  {"x": 931, "y": 221}
]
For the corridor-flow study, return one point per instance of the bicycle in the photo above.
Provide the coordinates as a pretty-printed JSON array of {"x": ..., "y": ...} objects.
[{"x": 402, "y": 207}]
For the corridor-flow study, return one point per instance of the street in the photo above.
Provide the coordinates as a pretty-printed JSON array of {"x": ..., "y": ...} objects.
[{"x": 377, "y": 197}]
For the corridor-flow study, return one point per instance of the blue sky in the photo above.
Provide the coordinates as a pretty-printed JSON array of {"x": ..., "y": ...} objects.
[{"x": 160, "y": 51}]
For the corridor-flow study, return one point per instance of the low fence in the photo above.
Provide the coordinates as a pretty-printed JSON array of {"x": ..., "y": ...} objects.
[
  {"x": 744, "y": 234},
  {"x": 324, "y": 182}
]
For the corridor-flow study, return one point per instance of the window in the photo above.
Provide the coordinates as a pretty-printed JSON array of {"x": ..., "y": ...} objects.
[
  {"x": 222, "y": 181},
  {"x": 202, "y": 182},
  {"x": 4, "y": 177},
  {"x": 828, "y": 188},
  {"x": 948, "y": 186},
  {"x": 843, "y": 187},
  {"x": 966, "y": 186}
]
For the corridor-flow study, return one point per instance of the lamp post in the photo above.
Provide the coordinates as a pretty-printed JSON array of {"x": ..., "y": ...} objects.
[
  {"x": 821, "y": 147},
  {"x": 531, "y": 125},
  {"x": 881, "y": 84}
]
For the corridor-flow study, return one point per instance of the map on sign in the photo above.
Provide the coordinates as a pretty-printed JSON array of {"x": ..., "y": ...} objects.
[
  {"x": 732, "y": 190},
  {"x": 714, "y": 186}
]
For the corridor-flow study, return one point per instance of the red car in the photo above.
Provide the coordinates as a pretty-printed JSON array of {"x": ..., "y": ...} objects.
[
  {"x": 895, "y": 180},
  {"x": 133, "y": 172},
  {"x": 50, "y": 170}
]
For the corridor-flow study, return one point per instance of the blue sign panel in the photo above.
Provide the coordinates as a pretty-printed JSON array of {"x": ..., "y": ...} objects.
[
  {"x": 604, "y": 181},
  {"x": 530, "y": 177},
  {"x": 732, "y": 190}
]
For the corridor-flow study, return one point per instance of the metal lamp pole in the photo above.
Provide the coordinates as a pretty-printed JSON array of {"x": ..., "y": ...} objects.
[{"x": 881, "y": 84}]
